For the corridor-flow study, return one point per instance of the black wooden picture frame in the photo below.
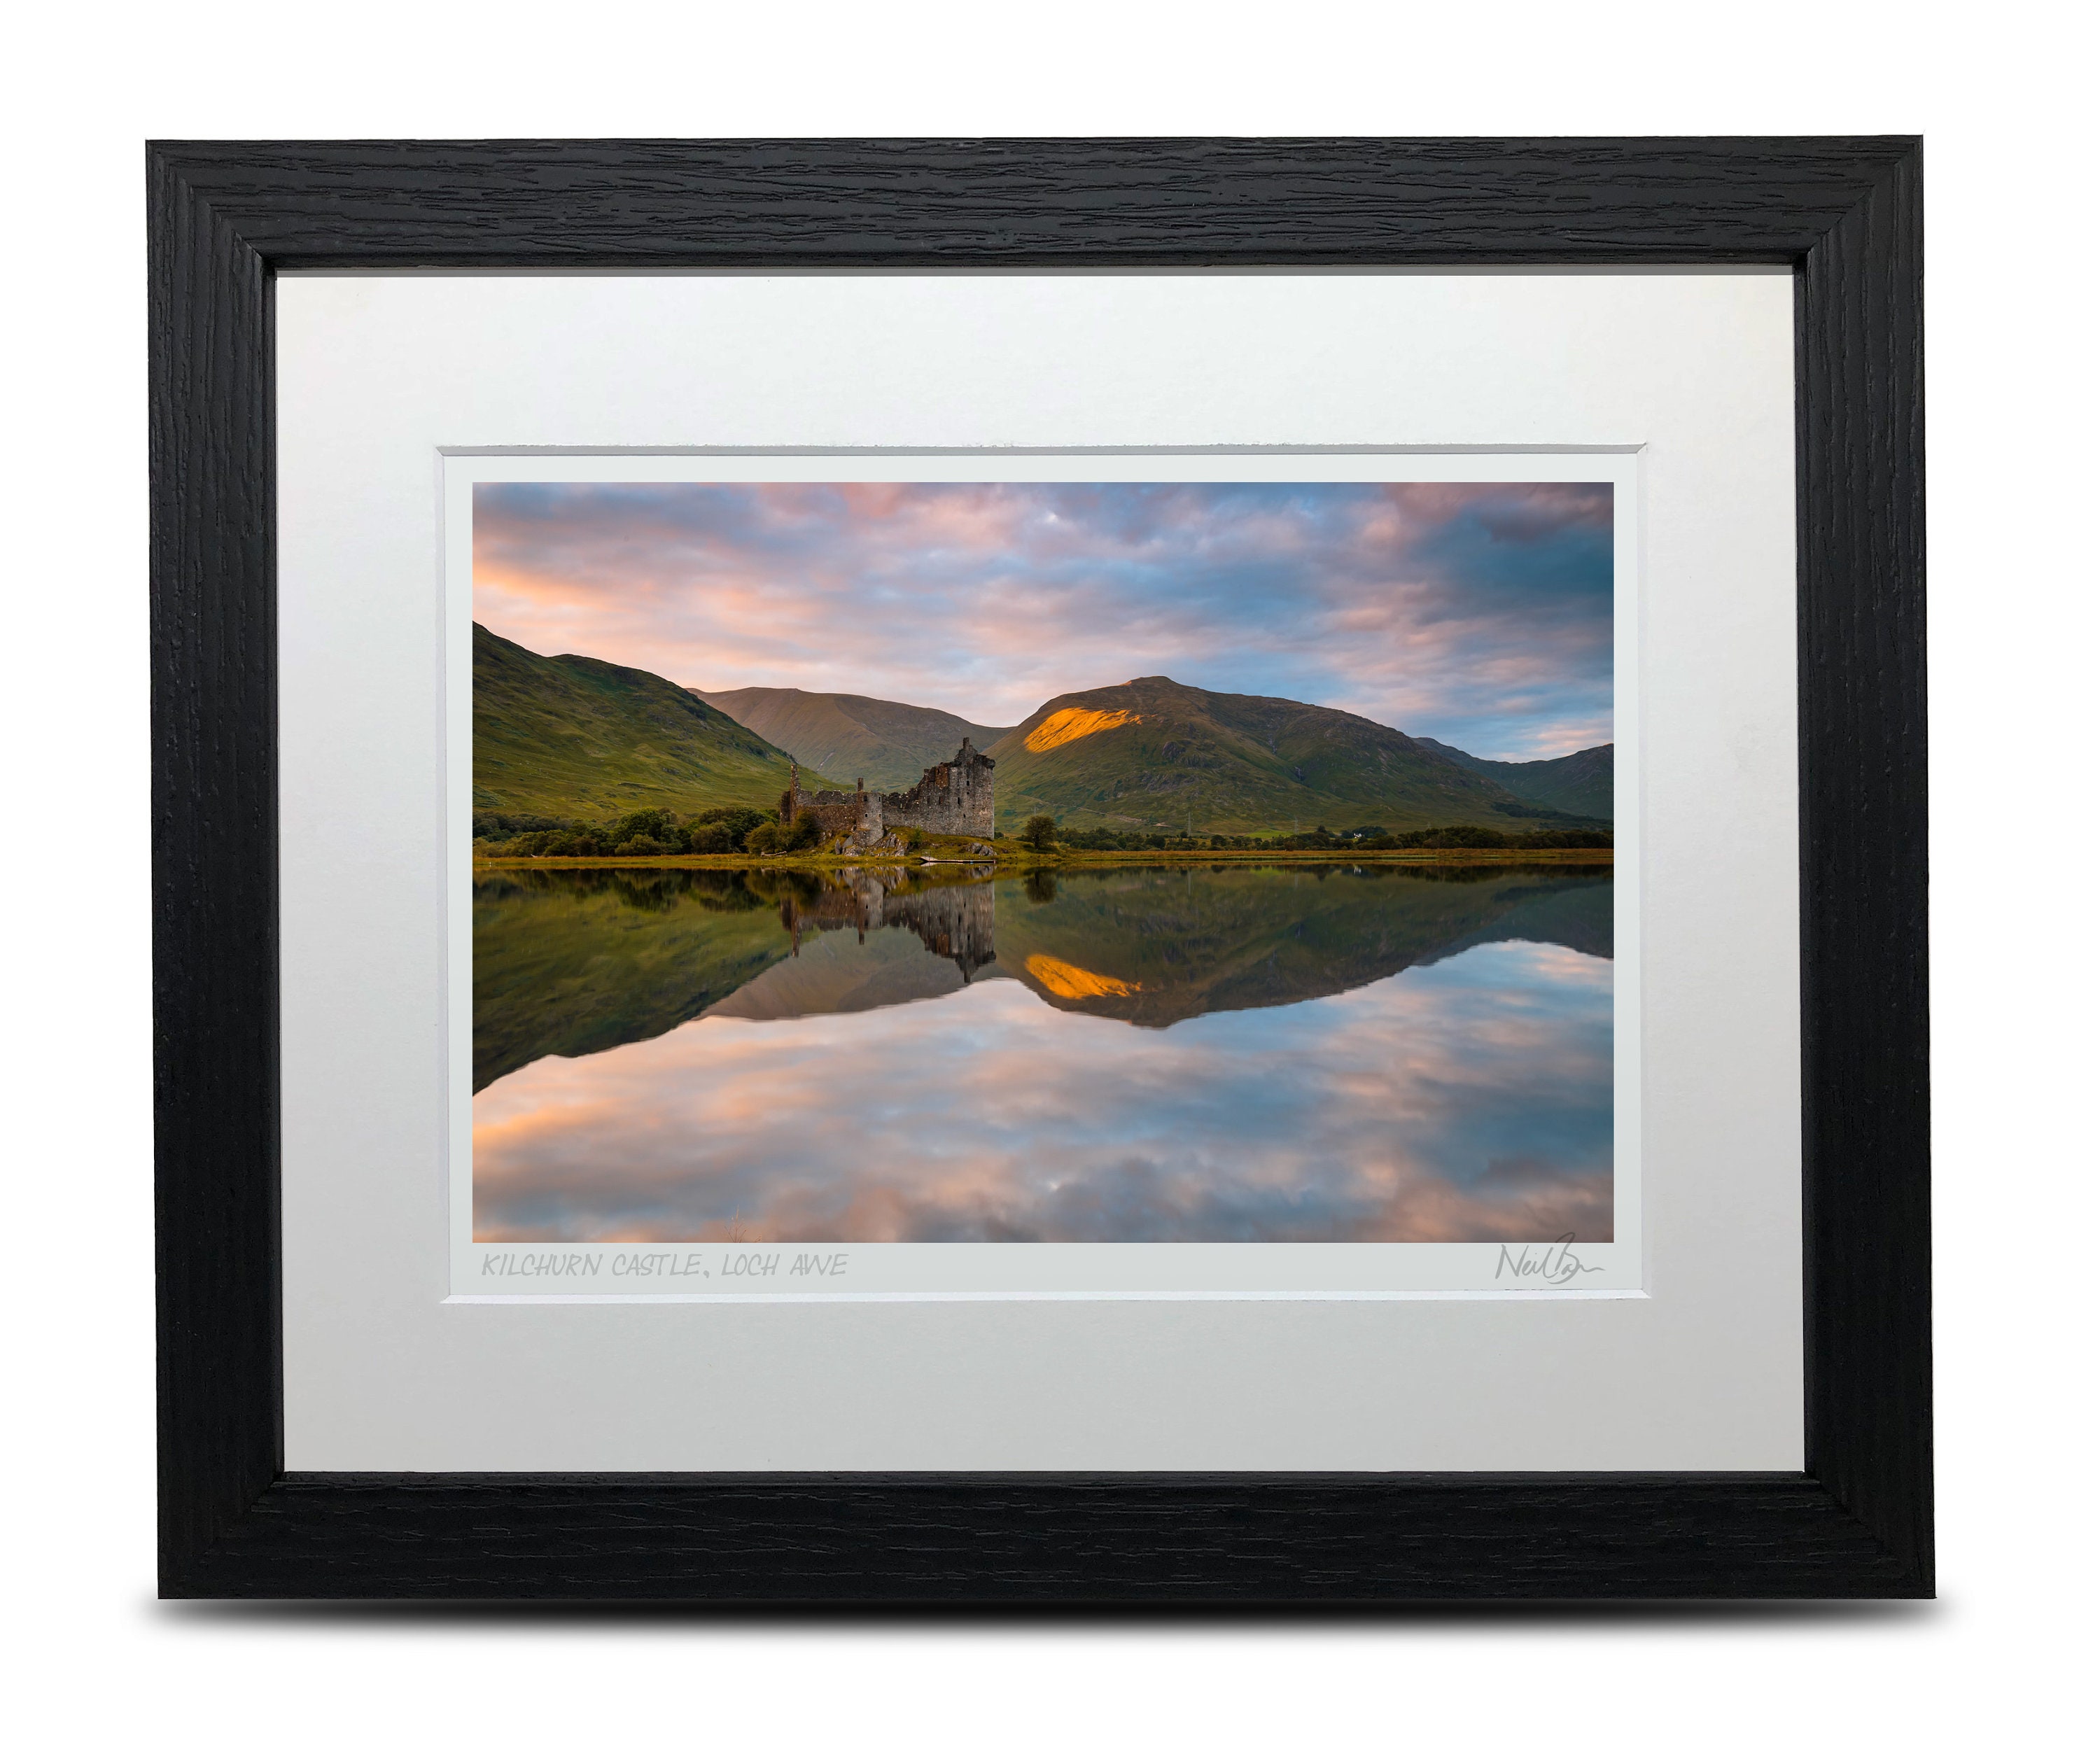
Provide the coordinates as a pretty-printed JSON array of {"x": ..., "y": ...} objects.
[{"x": 1844, "y": 214}]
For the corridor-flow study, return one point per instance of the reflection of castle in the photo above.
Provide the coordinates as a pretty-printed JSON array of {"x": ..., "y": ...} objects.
[
  {"x": 954, "y": 921},
  {"x": 949, "y": 800}
]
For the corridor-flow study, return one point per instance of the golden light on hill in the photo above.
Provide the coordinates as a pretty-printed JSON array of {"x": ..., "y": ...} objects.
[
  {"x": 1062, "y": 727},
  {"x": 1069, "y": 980}
]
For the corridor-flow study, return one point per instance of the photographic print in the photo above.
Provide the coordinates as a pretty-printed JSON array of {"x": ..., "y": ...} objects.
[{"x": 1064, "y": 863}]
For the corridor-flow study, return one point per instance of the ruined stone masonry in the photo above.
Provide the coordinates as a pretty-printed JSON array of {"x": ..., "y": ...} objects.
[
  {"x": 949, "y": 799},
  {"x": 858, "y": 816}
]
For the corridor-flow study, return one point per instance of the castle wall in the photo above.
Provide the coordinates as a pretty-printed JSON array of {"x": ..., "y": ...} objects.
[
  {"x": 858, "y": 814},
  {"x": 836, "y": 813},
  {"x": 951, "y": 799},
  {"x": 954, "y": 799}
]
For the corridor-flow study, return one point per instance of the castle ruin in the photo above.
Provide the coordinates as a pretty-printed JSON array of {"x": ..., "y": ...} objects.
[{"x": 953, "y": 799}]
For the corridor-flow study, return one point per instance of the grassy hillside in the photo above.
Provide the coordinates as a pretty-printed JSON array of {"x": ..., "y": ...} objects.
[
  {"x": 1151, "y": 753},
  {"x": 889, "y": 744},
  {"x": 1580, "y": 783},
  {"x": 575, "y": 738}
]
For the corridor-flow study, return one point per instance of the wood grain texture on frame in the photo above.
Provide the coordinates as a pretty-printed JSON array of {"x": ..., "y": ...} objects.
[{"x": 224, "y": 218}]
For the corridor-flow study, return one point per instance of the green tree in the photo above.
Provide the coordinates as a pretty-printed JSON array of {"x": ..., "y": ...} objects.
[
  {"x": 735, "y": 822},
  {"x": 1462, "y": 837},
  {"x": 1040, "y": 833},
  {"x": 656, "y": 823}
]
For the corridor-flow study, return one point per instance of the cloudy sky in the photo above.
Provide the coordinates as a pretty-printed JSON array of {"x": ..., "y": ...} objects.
[{"x": 1478, "y": 615}]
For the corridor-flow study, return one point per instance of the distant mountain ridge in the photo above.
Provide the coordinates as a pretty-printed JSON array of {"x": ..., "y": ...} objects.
[
  {"x": 890, "y": 744},
  {"x": 1581, "y": 783},
  {"x": 1154, "y": 753},
  {"x": 573, "y": 736}
]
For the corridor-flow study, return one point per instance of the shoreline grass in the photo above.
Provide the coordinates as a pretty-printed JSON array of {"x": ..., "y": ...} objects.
[{"x": 1023, "y": 861}]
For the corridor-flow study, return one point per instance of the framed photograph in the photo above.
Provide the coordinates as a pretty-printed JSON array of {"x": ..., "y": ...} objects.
[
  {"x": 904, "y": 917},
  {"x": 1072, "y": 871}
]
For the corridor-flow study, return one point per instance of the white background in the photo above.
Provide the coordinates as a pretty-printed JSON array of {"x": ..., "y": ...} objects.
[{"x": 2002, "y": 102}]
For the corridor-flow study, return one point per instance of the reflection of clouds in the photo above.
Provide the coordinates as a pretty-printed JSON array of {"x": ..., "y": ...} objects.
[
  {"x": 1477, "y": 614},
  {"x": 1468, "y": 1101}
]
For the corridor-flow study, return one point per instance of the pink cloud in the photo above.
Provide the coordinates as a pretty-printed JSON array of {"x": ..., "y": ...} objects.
[{"x": 1477, "y": 614}]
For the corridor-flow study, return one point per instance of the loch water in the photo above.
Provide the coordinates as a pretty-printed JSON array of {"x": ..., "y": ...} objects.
[{"x": 1235, "y": 1053}]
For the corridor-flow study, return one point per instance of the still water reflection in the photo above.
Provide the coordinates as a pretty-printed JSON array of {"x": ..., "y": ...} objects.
[{"x": 1134, "y": 1054}]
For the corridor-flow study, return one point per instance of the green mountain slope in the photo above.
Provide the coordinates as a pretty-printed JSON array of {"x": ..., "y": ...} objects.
[
  {"x": 889, "y": 744},
  {"x": 1579, "y": 783},
  {"x": 575, "y": 738},
  {"x": 1152, "y": 752}
]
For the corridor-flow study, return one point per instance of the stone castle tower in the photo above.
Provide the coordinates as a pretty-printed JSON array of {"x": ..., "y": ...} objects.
[{"x": 953, "y": 799}]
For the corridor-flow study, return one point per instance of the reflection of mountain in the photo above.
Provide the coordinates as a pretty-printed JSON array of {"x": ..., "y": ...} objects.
[
  {"x": 1152, "y": 751},
  {"x": 570, "y": 962},
  {"x": 1575, "y": 913},
  {"x": 1154, "y": 946},
  {"x": 838, "y": 973}
]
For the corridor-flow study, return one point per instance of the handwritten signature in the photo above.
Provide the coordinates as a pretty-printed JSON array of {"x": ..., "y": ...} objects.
[{"x": 1555, "y": 1265}]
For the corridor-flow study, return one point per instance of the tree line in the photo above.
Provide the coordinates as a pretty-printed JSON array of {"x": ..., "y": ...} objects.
[
  {"x": 657, "y": 830},
  {"x": 1041, "y": 833},
  {"x": 733, "y": 831},
  {"x": 652, "y": 830}
]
